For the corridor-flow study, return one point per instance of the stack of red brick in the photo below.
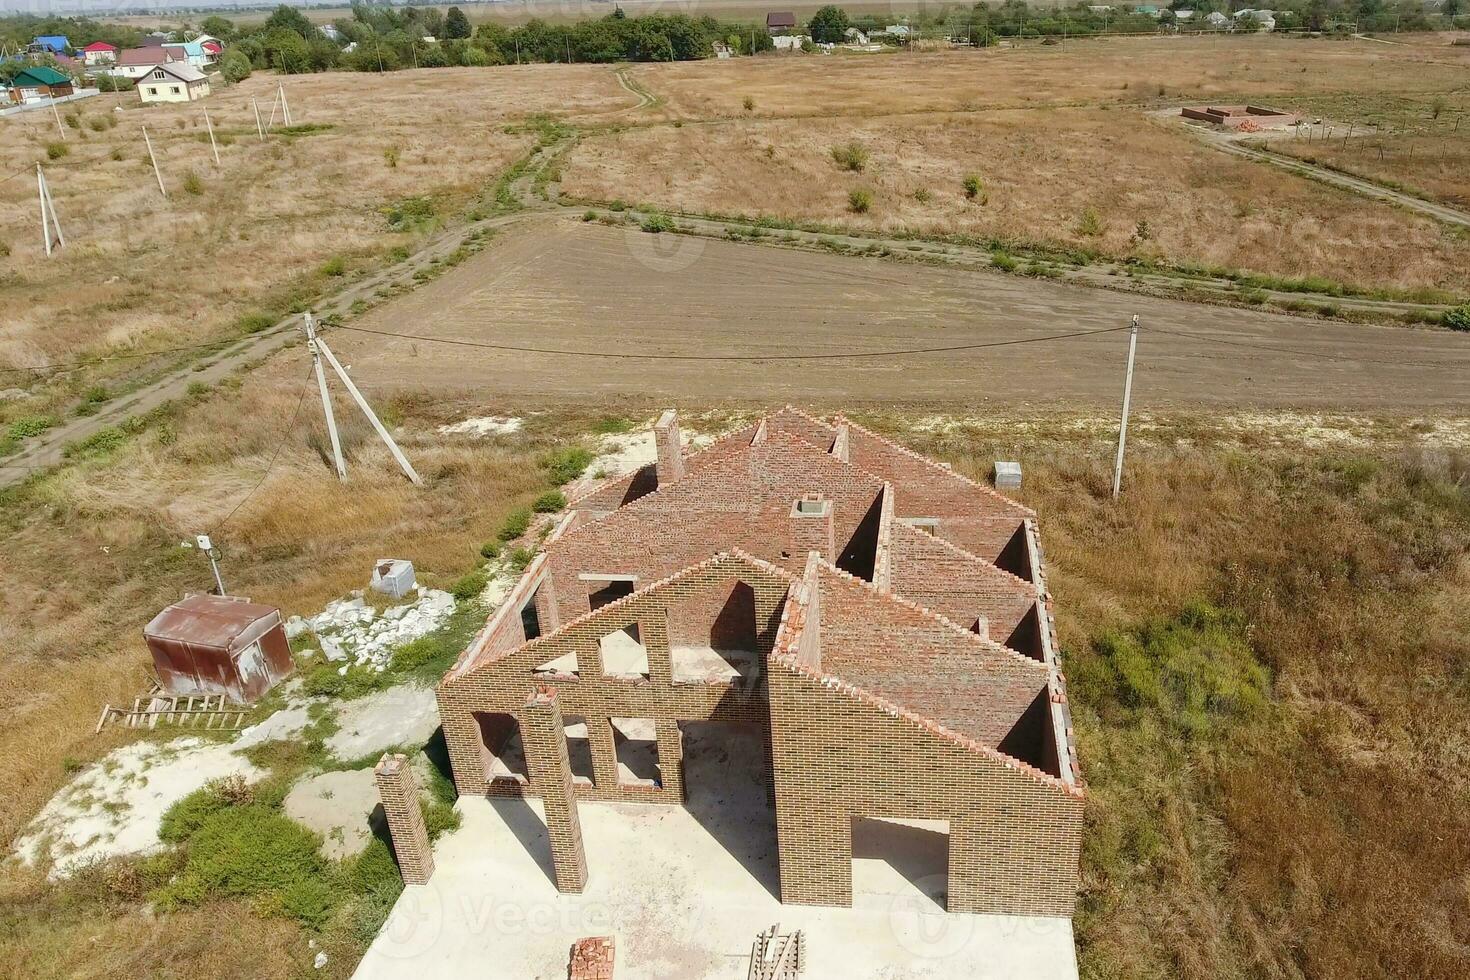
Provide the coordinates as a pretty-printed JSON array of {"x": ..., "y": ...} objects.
[{"x": 592, "y": 959}]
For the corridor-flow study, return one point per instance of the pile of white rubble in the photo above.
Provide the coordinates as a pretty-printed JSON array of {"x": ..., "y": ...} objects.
[{"x": 353, "y": 633}]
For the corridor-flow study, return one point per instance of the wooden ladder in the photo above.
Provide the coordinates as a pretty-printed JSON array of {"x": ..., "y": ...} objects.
[
  {"x": 199, "y": 711},
  {"x": 777, "y": 956}
]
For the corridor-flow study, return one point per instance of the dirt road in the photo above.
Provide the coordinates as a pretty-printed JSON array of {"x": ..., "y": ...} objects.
[
  {"x": 1440, "y": 212},
  {"x": 565, "y": 285},
  {"x": 48, "y": 449}
]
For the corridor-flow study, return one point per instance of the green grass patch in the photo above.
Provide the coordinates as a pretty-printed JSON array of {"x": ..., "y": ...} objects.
[
  {"x": 516, "y": 523},
  {"x": 565, "y": 464},
  {"x": 549, "y": 502}
]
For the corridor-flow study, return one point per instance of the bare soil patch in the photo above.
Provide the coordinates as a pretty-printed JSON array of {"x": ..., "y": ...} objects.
[{"x": 568, "y": 285}]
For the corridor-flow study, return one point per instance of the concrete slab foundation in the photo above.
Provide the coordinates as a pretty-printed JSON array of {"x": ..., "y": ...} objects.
[{"x": 685, "y": 890}]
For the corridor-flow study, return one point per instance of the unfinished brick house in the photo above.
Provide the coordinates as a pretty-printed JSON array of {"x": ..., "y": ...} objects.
[{"x": 882, "y": 619}]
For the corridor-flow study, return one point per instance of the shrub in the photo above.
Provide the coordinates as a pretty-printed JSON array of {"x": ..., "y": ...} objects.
[
  {"x": 390, "y": 156},
  {"x": 117, "y": 153},
  {"x": 549, "y": 502},
  {"x": 470, "y": 585},
  {"x": 923, "y": 196},
  {"x": 973, "y": 186},
  {"x": 749, "y": 103},
  {"x": 30, "y": 425},
  {"x": 851, "y": 156},
  {"x": 612, "y": 425},
  {"x": 55, "y": 151},
  {"x": 589, "y": 215},
  {"x": 247, "y": 851},
  {"x": 182, "y": 820},
  {"x": 490, "y": 549},
  {"x": 309, "y": 901},
  {"x": 1002, "y": 260},
  {"x": 335, "y": 266},
  {"x": 235, "y": 66},
  {"x": 520, "y": 558},
  {"x": 657, "y": 222},
  {"x": 255, "y": 322},
  {"x": 97, "y": 123},
  {"x": 1458, "y": 318},
  {"x": 1090, "y": 224},
  {"x": 859, "y": 200},
  {"x": 192, "y": 183},
  {"x": 411, "y": 214},
  {"x": 74, "y": 120},
  {"x": 566, "y": 464},
  {"x": 515, "y": 524}
]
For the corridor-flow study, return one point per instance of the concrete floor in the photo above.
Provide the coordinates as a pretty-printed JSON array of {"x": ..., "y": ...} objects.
[{"x": 685, "y": 890}]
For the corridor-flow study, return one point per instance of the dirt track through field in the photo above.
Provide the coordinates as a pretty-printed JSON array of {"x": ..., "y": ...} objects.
[{"x": 565, "y": 285}]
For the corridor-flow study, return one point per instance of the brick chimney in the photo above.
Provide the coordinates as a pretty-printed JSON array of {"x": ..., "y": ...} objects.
[{"x": 670, "y": 450}]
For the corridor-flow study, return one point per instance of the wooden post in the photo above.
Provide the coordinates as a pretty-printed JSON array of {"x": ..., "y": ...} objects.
[
  {"x": 285, "y": 106},
  {"x": 149, "y": 143},
  {"x": 259, "y": 131},
  {"x": 1127, "y": 397},
  {"x": 41, "y": 196},
  {"x": 313, "y": 345},
  {"x": 372, "y": 417},
  {"x": 212, "y": 145},
  {"x": 57, "y": 115}
]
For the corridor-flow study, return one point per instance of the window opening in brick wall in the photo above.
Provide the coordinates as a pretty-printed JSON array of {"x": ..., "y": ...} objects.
[
  {"x": 500, "y": 749},
  {"x": 635, "y": 741},
  {"x": 579, "y": 749},
  {"x": 623, "y": 656},
  {"x": 907, "y": 859}
]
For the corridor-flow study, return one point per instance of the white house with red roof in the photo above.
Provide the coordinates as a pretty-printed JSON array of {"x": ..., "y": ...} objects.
[{"x": 99, "y": 53}]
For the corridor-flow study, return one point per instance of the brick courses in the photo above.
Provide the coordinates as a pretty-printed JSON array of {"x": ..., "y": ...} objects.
[
  {"x": 904, "y": 657},
  {"x": 398, "y": 789}
]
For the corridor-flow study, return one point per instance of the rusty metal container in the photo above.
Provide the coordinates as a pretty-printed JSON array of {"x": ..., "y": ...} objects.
[{"x": 207, "y": 644}]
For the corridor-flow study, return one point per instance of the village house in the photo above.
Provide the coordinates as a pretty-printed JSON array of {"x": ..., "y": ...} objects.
[
  {"x": 780, "y": 22},
  {"x": 174, "y": 81},
  {"x": 881, "y": 622},
  {"x": 40, "y": 82},
  {"x": 98, "y": 53},
  {"x": 137, "y": 62},
  {"x": 190, "y": 52},
  {"x": 50, "y": 44}
]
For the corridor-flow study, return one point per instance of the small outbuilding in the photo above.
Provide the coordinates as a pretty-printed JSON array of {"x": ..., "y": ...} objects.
[{"x": 208, "y": 644}]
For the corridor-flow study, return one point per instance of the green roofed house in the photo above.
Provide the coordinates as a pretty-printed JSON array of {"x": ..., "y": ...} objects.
[{"x": 40, "y": 82}]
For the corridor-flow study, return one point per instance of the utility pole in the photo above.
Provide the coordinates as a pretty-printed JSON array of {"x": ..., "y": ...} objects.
[
  {"x": 285, "y": 107},
  {"x": 57, "y": 116},
  {"x": 321, "y": 382},
  {"x": 49, "y": 220},
  {"x": 202, "y": 540},
  {"x": 1127, "y": 397},
  {"x": 149, "y": 143},
  {"x": 259, "y": 131},
  {"x": 212, "y": 145},
  {"x": 372, "y": 417}
]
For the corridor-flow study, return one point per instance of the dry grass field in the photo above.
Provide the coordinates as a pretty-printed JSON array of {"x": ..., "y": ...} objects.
[
  {"x": 1421, "y": 143},
  {"x": 1118, "y": 182},
  {"x": 1265, "y": 638},
  {"x": 1114, "y": 71},
  {"x": 1311, "y": 832},
  {"x": 143, "y": 272}
]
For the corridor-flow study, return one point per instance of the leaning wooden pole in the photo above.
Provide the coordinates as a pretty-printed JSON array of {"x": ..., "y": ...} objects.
[
  {"x": 212, "y": 144},
  {"x": 41, "y": 196},
  {"x": 372, "y": 417},
  {"x": 156, "y": 172}
]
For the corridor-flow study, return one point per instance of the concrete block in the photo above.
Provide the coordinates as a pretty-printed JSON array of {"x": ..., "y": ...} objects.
[{"x": 1007, "y": 474}]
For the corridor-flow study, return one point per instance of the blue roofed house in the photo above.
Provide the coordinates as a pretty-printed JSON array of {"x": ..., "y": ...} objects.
[
  {"x": 54, "y": 43},
  {"x": 190, "y": 52}
]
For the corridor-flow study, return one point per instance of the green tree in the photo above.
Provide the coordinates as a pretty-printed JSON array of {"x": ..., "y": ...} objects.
[
  {"x": 290, "y": 19},
  {"x": 235, "y": 66},
  {"x": 218, "y": 27},
  {"x": 456, "y": 24},
  {"x": 828, "y": 25}
]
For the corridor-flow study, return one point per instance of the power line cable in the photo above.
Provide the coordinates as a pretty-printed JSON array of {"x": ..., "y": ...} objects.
[
  {"x": 621, "y": 355},
  {"x": 280, "y": 447},
  {"x": 1322, "y": 355}
]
